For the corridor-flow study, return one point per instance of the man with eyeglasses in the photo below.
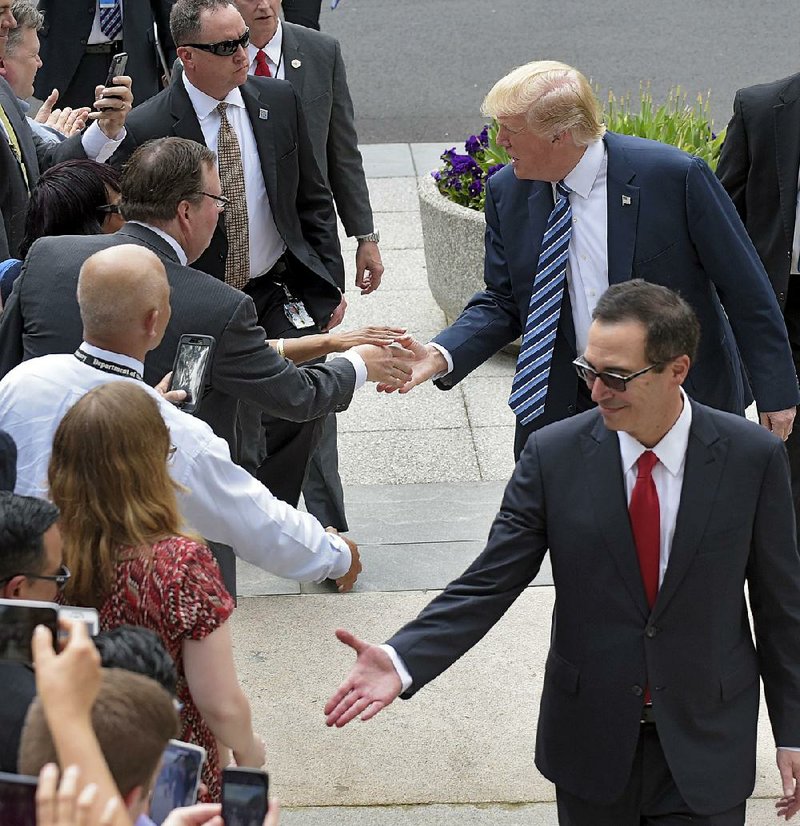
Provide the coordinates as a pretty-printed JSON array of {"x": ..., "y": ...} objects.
[
  {"x": 278, "y": 240},
  {"x": 31, "y": 568},
  {"x": 657, "y": 512},
  {"x": 580, "y": 208}
]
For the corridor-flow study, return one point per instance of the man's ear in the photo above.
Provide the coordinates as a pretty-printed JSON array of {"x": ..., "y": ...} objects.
[
  {"x": 680, "y": 368},
  {"x": 12, "y": 588}
]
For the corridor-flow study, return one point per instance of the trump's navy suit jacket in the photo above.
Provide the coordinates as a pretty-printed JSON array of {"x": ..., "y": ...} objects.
[{"x": 669, "y": 222}]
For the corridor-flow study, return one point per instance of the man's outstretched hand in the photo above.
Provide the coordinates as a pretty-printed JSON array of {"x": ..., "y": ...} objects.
[
  {"x": 371, "y": 685},
  {"x": 428, "y": 362}
]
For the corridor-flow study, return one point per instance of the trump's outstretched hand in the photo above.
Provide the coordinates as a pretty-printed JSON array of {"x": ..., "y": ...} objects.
[
  {"x": 428, "y": 362},
  {"x": 371, "y": 685}
]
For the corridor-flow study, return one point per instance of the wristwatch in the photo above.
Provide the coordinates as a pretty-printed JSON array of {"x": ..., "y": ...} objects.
[{"x": 374, "y": 237}]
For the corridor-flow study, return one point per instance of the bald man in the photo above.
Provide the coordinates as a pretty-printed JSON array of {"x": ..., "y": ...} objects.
[{"x": 123, "y": 295}]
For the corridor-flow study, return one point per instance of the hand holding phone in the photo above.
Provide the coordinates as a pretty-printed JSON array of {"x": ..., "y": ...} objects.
[
  {"x": 244, "y": 796},
  {"x": 178, "y": 780},
  {"x": 18, "y": 618},
  {"x": 189, "y": 371},
  {"x": 118, "y": 65}
]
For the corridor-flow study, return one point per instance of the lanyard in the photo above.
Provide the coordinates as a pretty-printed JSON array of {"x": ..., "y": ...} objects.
[{"x": 108, "y": 366}]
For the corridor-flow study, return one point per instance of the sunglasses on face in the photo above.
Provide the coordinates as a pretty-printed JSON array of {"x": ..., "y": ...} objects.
[
  {"x": 225, "y": 48},
  {"x": 611, "y": 380}
]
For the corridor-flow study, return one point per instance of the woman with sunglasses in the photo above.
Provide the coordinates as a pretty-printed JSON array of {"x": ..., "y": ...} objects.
[
  {"x": 131, "y": 558},
  {"x": 78, "y": 197}
]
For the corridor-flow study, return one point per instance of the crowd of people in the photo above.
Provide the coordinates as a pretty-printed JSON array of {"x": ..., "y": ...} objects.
[{"x": 636, "y": 281}]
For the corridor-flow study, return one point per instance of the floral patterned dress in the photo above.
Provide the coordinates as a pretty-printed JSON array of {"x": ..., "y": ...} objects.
[{"x": 176, "y": 590}]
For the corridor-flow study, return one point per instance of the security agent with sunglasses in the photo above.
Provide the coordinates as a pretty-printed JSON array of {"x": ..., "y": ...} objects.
[
  {"x": 579, "y": 208},
  {"x": 278, "y": 239},
  {"x": 657, "y": 512},
  {"x": 31, "y": 567}
]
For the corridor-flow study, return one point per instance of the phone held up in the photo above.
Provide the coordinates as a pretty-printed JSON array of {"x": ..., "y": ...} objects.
[
  {"x": 178, "y": 780},
  {"x": 18, "y": 799},
  {"x": 118, "y": 65},
  {"x": 190, "y": 369},
  {"x": 245, "y": 796},
  {"x": 18, "y": 618}
]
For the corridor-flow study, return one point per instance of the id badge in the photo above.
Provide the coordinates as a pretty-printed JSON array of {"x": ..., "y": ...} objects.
[
  {"x": 297, "y": 314},
  {"x": 107, "y": 4}
]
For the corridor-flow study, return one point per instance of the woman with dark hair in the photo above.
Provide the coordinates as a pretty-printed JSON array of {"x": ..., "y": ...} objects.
[{"x": 78, "y": 197}]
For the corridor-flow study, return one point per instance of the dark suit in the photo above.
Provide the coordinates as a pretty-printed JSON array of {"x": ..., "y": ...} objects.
[
  {"x": 758, "y": 166},
  {"x": 694, "y": 649},
  {"x": 669, "y": 222},
  {"x": 36, "y": 155},
  {"x": 42, "y": 317},
  {"x": 67, "y": 67}
]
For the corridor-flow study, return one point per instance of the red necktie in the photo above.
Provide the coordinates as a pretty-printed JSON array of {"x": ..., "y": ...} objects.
[
  {"x": 262, "y": 67},
  {"x": 646, "y": 523}
]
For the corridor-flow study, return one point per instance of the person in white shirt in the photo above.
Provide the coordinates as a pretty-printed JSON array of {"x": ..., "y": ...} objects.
[
  {"x": 658, "y": 513},
  {"x": 124, "y": 300}
]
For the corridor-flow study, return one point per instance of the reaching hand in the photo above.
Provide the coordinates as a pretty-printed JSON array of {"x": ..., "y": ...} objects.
[
  {"x": 371, "y": 685},
  {"x": 113, "y": 104},
  {"x": 345, "y": 583},
  {"x": 60, "y": 804},
  {"x": 779, "y": 422},
  {"x": 381, "y": 336},
  {"x": 428, "y": 362},
  {"x": 337, "y": 316},
  {"x": 388, "y": 365},
  {"x": 369, "y": 267}
]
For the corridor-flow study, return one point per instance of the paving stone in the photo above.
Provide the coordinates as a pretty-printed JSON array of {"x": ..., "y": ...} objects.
[
  {"x": 254, "y": 582},
  {"x": 393, "y": 194},
  {"x": 494, "y": 447},
  {"x": 414, "y": 309},
  {"x": 427, "y": 157},
  {"x": 387, "y": 160},
  {"x": 399, "y": 230},
  {"x": 403, "y": 270},
  {"x": 485, "y": 397},
  {"x": 500, "y": 364}
]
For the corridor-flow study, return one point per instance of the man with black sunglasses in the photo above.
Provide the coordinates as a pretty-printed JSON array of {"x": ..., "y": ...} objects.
[
  {"x": 278, "y": 240},
  {"x": 658, "y": 513},
  {"x": 31, "y": 568}
]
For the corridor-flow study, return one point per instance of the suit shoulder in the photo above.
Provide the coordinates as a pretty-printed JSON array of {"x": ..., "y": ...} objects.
[
  {"x": 311, "y": 38},
  {"x": 151, "y": 111},
  {"x": 744, "y": 433},
  {"x": 771, "y": 91},
  {"x": 565, "y": 432}
]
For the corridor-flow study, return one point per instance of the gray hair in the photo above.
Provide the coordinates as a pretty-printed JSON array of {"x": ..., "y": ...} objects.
[{"x": 28, "y": 17}]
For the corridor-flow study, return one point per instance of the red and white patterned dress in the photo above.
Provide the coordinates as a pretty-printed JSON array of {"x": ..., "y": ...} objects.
[{"x": 176, "y": 590}]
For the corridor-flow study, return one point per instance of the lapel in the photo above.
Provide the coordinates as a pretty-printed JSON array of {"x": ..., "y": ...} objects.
[
  {"x": 185, "y": 123},
  {"x": 787, "y": 148},
  {"x": 600, "y": 449},
  {"x": 706, "y": 455},
  {"x": 21, "y": 130},
  {"x": 256, "y": 105},
  {"x": 623, "y": 211},
  {"x": 296, "y": 75}
]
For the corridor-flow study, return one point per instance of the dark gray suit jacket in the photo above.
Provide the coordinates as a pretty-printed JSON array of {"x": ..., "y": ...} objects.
[
  {"x": 758, "y": 166},
  {"x": 42, "y": 317},
  {"x": 313, "y": 64},
  {"x": 735, "y": 527},
  {"x": 36, "y": 155},
  {"x": 300, "y": 201}
]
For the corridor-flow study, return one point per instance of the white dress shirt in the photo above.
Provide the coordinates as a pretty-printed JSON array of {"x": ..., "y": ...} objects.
[
  {"x": 179, "y": 251},
  {"x": 266, "y": 244},
  {"x": 224, "y": 502},
  {"x": 795, "y": 266},
  {"x": 274, "y": 52}
]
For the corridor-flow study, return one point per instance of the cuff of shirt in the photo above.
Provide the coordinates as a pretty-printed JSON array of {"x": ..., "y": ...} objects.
[
  {"x": 447, "y": 357},
  {"x": 97, "y": 146},
  {"x": 345, "y": 559},
  {"x": 399, "y": 667},
  {"x": 789, "y": 748},
  {"x": 358, "y": 364}
]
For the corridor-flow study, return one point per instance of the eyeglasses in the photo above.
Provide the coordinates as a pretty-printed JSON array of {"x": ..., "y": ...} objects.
[
  {"x": 611, "y": 380},
  {"x": 109, "y": 209},
  {"x": 60, "y": 579},
  {"x": 225, "y": 48},
  {"x": 221, "y": 200}
]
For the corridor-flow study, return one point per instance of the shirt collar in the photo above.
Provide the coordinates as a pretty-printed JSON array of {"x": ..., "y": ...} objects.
[
  {"x": 204, "y": 104},
  {"x": 114, "y": 358},
  {"x": 273, "y": 49},
  {"x": 179, "y": 251},
  {"x": 583, "y": 175},
  {"x": 24, "y": 105},
  {"x": 671, "y": 450}
]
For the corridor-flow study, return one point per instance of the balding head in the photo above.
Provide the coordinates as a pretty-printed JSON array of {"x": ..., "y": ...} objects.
[{"x": 123, "y": 294}]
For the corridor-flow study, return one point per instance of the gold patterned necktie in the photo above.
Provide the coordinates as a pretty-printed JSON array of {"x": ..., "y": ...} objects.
[
  {"x": 13, "y": 143},
  {"x": 231, "y": 175}
]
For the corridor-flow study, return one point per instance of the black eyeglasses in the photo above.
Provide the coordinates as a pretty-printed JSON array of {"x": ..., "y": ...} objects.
[
  {"x": 611, "y": 380},
  {"x": 60, "y": 579},
  {"x": 221, "y": 200},
  {"x": 225, "y": 48},
  {"x": 109, "y": 209}
]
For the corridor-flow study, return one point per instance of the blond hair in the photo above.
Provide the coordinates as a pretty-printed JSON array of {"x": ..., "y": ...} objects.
[
  {"x": 553, "y": 97},
  {"x": 108, "y": 475}
]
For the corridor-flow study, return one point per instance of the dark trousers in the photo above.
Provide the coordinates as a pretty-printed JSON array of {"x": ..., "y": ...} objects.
[
  {"x": 791, "y": 314},
  {"x": 303, "y": 12},
  {"x": 274, "y": 450},
  {"x": 651, "y": 797},
  {"x": 322, "y": 488}
]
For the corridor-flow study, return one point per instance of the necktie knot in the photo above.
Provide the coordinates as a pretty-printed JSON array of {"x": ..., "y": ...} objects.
[
  {"x": 562, "y": 189},
  {"x": 262, "y": 67},
  {"x": 222, "y": 107},
  {"x": 645, "y": 464}
]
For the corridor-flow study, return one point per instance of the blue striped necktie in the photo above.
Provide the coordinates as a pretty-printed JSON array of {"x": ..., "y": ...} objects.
[
  {"x": 111, "y": 20},
  {"x": 529, "y": 388}
]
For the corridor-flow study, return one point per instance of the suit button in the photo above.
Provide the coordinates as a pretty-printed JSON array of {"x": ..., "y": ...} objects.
[
  {"x": 637, "y": 690},
  {"x": 571, "y": 410},
  {"x": 781, "y": 297},
  {"x": 83, "y": 41},
  {"x": 650, "y": 631}
]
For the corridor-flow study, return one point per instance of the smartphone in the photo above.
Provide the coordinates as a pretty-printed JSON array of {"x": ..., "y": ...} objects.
[
  {"x": 245, "y": 796},
  {"x": 178, "y": 780},
  {"x": 18, "y": 799},
  {"x": 190, "y": 368},
  {"x": 87, "y": 615},
  {"x": 18, "y": 618},
  {"x": 118, "y": 65}
]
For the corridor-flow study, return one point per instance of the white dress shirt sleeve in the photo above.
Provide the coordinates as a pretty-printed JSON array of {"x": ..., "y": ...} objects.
[
  {"x": 399, "y": 667},
  {"x": 97, "y": 146},
  {"x": 447, "y": 357},
  {"x": 226, "y": 504},
  {"x": 358, "y": 365}
]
